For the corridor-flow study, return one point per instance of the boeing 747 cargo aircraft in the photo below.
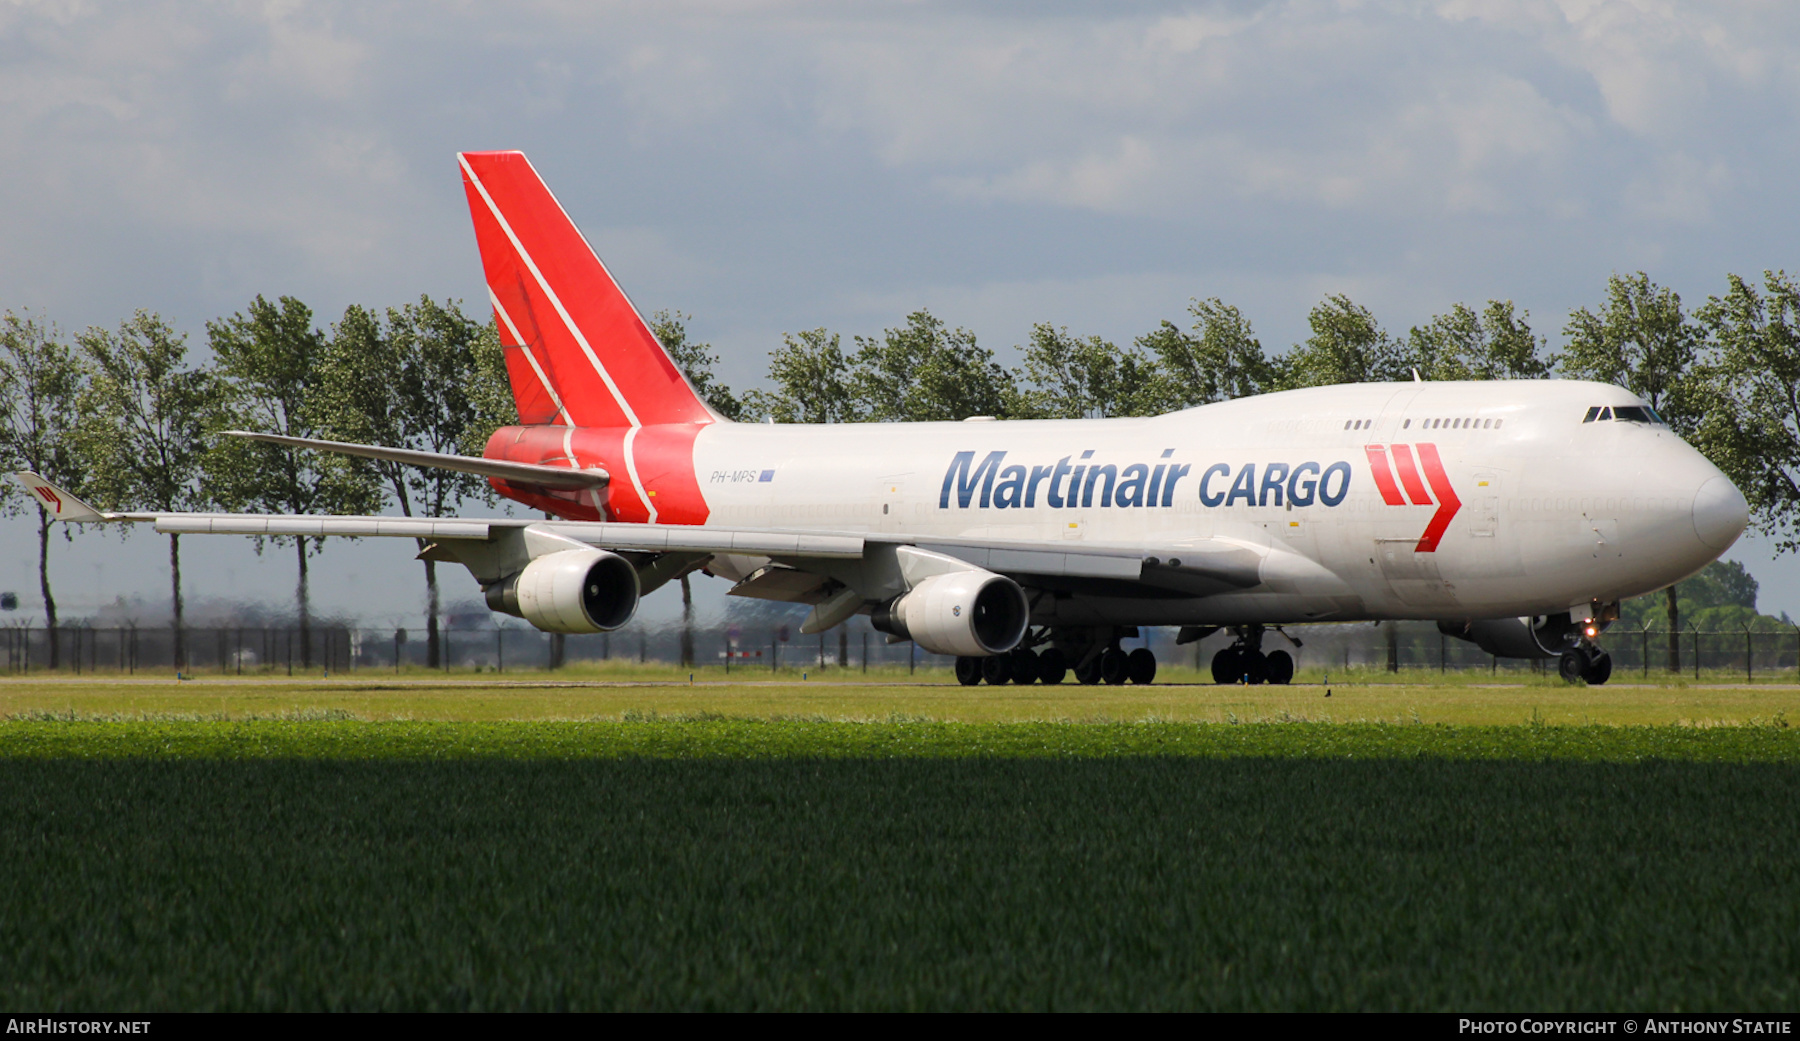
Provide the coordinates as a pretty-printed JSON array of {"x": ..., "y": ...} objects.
[{"x": 1515, "y": 514}]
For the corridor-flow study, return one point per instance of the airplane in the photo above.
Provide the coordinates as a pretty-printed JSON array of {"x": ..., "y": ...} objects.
[{"x": 1515, "y": 514}]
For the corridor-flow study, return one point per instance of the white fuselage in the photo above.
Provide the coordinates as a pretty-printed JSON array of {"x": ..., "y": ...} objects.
[{"x": 1549, "y": 511}]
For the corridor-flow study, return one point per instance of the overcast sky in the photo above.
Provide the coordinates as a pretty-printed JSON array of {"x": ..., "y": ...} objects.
[{"x": 771, "y": 167}]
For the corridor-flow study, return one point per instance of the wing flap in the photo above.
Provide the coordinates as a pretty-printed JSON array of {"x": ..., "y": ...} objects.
[{"x": 353, "y": 527}]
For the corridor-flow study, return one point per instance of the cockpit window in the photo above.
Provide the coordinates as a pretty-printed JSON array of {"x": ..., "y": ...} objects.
[{"x": 1624, "y": 413}]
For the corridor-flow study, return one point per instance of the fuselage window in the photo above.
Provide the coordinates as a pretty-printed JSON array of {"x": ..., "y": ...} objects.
[
  {"x": 1346, "y": 424},
  {"x": 1406, "y": 425},
  {"x": 1497, "y": 423}
]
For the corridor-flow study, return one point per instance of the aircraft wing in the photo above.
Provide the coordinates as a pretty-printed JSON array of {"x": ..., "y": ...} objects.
[{"x": 1197, "y": 567}]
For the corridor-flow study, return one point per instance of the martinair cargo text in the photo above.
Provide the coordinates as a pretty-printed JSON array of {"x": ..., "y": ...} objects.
[{"x": 1514, "y": 514}]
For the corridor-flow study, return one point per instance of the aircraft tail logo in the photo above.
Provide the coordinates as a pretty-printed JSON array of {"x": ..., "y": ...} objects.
[
  {"x": 577, "y": 352},
  {"x": 1409, "y": 471}
]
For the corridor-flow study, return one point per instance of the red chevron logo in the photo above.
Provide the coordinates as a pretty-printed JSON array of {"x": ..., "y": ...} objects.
[
  {"x": 1409, "y": 471},
  {"x": 49, "y": 495}
]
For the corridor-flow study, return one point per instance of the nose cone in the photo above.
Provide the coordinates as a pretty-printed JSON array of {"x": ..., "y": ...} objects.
[{"x": 1720, "y": 513}]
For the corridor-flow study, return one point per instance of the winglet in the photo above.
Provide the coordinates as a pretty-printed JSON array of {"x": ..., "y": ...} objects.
[{"x": 62, "y": 505}]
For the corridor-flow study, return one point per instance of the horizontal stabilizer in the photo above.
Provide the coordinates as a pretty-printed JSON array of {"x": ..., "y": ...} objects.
[{"x": 517, "y": 473}]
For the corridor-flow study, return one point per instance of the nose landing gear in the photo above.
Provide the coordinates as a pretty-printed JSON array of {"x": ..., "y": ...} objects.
[
  {"x": 1245, "y": 662},
  {"x": 1585, "y": 662}
]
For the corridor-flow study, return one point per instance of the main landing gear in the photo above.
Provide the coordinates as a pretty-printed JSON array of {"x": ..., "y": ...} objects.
[
  {"x": 1094, "y": 656},
  {"x": 1585, "y": 662},
  {"x": 1245, "y": 662}
]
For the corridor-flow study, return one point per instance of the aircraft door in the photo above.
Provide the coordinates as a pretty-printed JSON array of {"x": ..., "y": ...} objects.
[
  {"x": 1484, "y": 505},
  {"x": 890, "y": 503}
]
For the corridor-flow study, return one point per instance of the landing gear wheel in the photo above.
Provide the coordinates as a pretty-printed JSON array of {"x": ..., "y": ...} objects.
[
  {"x": 1051, "y": 666},
  {"x": 1255, "y": 668},
  {"x": 997, "y": 670},
  {"x": 1088, "y": 672},
  {"x": 1281, "y": 667},
  {"x": 1140, "y": 666},
  {"x": 1225, "y": 666},
  {"x": 1572, "y": 665},
  {"x": 1113, "y": 667},
  {"x": 1599, "y": 668},
  {"x": 968, "y": 670},
  {"x": 1024, "y": 662}
]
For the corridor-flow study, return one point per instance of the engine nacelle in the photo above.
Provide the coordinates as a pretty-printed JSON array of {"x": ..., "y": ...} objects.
[
  {"x": 973, "y": 612},
  {"x": 1539, "y": 636},
  {"x": 572, "y": 591}
]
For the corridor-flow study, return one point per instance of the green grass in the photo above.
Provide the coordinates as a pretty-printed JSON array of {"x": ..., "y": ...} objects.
[
  {"x": 311, "y": 863},
  {"x": 331, "y": 736},
  {"x": 840, "y": 695}
]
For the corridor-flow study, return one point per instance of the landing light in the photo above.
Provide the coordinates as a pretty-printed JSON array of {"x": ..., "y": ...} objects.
[{"x": 1592, "y": 631}]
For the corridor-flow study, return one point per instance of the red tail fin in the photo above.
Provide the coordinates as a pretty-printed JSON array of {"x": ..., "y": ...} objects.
[{"x": 578, "y": 352}]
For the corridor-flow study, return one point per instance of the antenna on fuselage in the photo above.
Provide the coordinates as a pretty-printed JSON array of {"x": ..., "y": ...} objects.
[{"x": 1416, "y": 378}]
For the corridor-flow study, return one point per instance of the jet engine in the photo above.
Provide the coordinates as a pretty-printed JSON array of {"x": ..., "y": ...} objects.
[
  {"x": 1538, "y": 636},
  {"x": 974, "y": 613},
  {"x": 571, "y": 591}
]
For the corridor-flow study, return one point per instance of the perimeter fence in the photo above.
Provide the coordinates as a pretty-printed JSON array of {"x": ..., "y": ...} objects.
[{"x": 1755, "y": 655}]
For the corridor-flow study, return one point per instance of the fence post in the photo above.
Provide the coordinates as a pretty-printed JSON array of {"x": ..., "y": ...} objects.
[
  {"x": 1443, "y": 652},
  {"x": 865, "y": 649},
  {"x": 1696, "y": 651},
  {"x": 1646, "y": 650},
  {"x": 1749, "y": 655},
  {"x": 499, "y": 649}
]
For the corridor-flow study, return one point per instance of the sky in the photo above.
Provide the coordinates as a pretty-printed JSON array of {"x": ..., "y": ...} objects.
[{"x": 771, "y": 167}]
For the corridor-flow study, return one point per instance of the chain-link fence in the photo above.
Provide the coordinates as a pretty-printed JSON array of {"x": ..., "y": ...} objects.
[
  {"x": 338, "y": 648},
  {"x": 235, "y": 650}
]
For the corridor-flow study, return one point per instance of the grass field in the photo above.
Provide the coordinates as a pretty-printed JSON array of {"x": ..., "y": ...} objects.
[
  {"x": 769, "y": 850},
  {"x": 593, "y": 692}
]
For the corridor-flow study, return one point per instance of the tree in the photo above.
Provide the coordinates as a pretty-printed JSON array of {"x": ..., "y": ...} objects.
[
  {"x": 1220, "y": 360},
  {"x": 695, "y": 360},
  {"x": 925, "y": 371},
  {"x": 1721, "y": 597},
  {"x": 1070, "y": 378},
  {"x": 1493, "y": 345},
  {"x": 812, "y": 382},
  {"x": 147, "y": 446},
  {"x": 1752, "y": 429},
  {"x": 429, "y": 379},
  {"x": 1641, "y": 340},
  {"x": 270, "y": 363},
  {"x": 1347, "y": 346},
  {"x": 41, "y": 383}
]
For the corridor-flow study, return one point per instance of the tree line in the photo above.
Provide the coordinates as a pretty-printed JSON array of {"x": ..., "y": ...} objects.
[
  {"x": 129, "y": 419},
  {"x": 126, "y": 418}
]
